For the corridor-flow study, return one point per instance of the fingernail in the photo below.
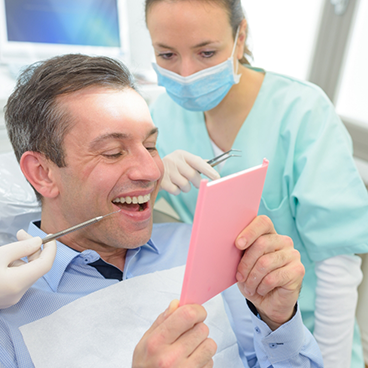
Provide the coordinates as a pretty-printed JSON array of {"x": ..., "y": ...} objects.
[
  {"x": 242, "y": 243},
  {"x": 174, "y": 304}
]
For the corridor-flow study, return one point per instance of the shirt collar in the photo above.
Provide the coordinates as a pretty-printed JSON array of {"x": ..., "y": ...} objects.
[
  {"x": 151, "y": 245},
  {"x": 65, "y": 255}
]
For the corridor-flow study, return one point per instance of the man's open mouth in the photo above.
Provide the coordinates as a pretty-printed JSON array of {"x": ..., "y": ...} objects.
[{"x": 139, "y": 203}]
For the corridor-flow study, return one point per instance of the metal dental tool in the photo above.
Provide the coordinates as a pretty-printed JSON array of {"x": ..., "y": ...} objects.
[
  {"x": 218, "y": 159},
  {"x": 74, "y": 228}
]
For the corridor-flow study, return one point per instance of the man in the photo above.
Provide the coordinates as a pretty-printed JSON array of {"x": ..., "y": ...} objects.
[{"x": 86, "y": 143}]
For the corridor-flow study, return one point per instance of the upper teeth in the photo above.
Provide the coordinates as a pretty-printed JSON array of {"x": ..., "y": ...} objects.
[{"x": 135, "y": 200}]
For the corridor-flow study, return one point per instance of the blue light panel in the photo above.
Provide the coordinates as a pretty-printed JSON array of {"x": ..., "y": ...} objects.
[{"x": 70, "y": 22}]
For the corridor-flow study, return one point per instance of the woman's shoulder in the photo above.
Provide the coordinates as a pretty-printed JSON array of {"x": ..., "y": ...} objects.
[
  {"x": 284, "y": 86},
  {"x": 164, "y": 104},
  {"x": 164, "y": 111}
]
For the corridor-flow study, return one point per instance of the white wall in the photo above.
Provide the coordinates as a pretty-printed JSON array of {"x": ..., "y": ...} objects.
[{"x": 140, "y": 43}]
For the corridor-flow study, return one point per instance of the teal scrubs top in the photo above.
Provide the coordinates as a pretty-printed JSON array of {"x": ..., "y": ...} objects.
[{"x": 313, "y": 191}]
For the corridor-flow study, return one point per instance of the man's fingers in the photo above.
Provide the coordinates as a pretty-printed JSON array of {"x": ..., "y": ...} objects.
[
  {"x": 264, "y": 265},
  {"x": 169, "y": 326},
  {"x": 174, "y": 339},
  {"x": 203, "y": 354},
  {"x": 288, "y": 278},
  {"x": 14, "y": 251},
  {"x": 183, "y": 319},
  {"x": 261, "y": 225},
  {"x": 266, "y": 244},
  {"x": 191, "y": 339},
  {"x": 174, "y": 304}
]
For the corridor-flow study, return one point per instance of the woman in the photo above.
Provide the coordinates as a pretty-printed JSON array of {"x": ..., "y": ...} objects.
[
  {"x": 17, "y": 276},
  {"x": 215, "y": 101}
]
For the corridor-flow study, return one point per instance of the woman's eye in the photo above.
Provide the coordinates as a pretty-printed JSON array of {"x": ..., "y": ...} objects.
[
  {"x": 166, "y": 55},
  {"x": 207, "y": 54}
]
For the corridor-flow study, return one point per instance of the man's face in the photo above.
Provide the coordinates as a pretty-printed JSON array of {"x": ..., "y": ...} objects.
[{"x": 112, "y": 163}]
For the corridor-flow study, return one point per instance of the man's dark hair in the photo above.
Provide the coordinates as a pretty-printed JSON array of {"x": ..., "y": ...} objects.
[{"x": 33, "y": 118}]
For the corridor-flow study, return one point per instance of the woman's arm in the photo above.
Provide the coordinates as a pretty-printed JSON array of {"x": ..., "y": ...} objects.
[{"x": 336, "y": 299}]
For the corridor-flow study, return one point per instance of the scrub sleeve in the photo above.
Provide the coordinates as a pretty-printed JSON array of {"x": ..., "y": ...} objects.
[{"x": 313, "y": 191}]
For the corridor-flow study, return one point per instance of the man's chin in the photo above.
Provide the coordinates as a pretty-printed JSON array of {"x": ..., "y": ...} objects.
[{"x": 137, "y": 238}]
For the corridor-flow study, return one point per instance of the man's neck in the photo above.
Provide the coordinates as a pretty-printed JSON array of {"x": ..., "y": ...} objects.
[{"x": 80, "y": 242}]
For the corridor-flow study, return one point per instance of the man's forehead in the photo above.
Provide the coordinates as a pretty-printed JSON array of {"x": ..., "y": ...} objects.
[
  {"x": 118, "y": 114},
  {"x": 84, "y": 94}
]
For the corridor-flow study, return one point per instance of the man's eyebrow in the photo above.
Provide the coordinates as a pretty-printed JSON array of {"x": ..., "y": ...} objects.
[
  {"x": 152, "y": 132},
  {"x": 120, "y": 136},
  {"x": 106, "y": 137}
]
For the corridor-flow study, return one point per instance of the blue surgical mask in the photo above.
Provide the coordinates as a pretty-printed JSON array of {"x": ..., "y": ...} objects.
[{"x": 201, "y": 91}]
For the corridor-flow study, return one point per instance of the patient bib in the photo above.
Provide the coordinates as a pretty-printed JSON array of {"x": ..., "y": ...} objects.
[{"x": 103, "y": 328}]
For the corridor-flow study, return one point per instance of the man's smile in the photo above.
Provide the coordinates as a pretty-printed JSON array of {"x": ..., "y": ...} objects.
[{"x": 135, "y": 203}]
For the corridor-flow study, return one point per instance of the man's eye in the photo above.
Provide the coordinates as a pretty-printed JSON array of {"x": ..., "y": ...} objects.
[
  {"x": 112, "y": 155},
  {"x": 151, "y": 149}
]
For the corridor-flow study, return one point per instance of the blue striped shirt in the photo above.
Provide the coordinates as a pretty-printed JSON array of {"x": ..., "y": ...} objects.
[{"x": 72, "y": 277}]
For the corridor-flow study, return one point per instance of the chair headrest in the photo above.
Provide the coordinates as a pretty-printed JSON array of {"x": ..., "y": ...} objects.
[{"x": 18, "y": 202}]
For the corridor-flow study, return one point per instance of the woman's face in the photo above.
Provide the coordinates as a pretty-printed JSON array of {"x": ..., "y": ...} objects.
[{"x": 189, "y": 36}]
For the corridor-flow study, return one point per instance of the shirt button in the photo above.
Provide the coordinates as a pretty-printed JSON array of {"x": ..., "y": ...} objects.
[
  {"x": 257, "y": 329},
  {"x": 272, "y": 345}
]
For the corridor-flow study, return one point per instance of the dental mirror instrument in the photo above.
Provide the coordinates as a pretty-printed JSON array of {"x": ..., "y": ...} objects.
[{"x": 74, "y": 228}]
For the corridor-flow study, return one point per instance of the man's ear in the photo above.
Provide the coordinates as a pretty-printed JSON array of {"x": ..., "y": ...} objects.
[{"x": 39, "y": 172}]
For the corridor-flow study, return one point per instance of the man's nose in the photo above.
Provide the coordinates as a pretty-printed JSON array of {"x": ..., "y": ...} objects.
[{"x": 144, "y": 167}]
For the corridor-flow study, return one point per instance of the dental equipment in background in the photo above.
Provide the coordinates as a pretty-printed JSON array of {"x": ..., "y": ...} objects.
[
  {"x": 74, "y": 228},
  {"x": 218, "y": 159}
]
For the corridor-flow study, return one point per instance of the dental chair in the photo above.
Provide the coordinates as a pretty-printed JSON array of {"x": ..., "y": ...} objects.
[{"x": 18, "y": 203}]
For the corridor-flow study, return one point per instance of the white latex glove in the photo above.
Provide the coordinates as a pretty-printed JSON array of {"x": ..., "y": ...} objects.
[
  {"x": 17, "y": 276},
  {"x": 183, "y": 168}
]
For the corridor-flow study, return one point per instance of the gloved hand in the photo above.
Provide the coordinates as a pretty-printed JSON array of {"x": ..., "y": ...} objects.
[
  {"x": 183, "y": 168},
  {"x": 17, "y": 276}
]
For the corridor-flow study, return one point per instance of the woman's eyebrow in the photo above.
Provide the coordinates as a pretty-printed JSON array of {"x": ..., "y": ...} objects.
[
  {"x": 201, "y": 44},
  {"x": 204, "y": 43}
]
